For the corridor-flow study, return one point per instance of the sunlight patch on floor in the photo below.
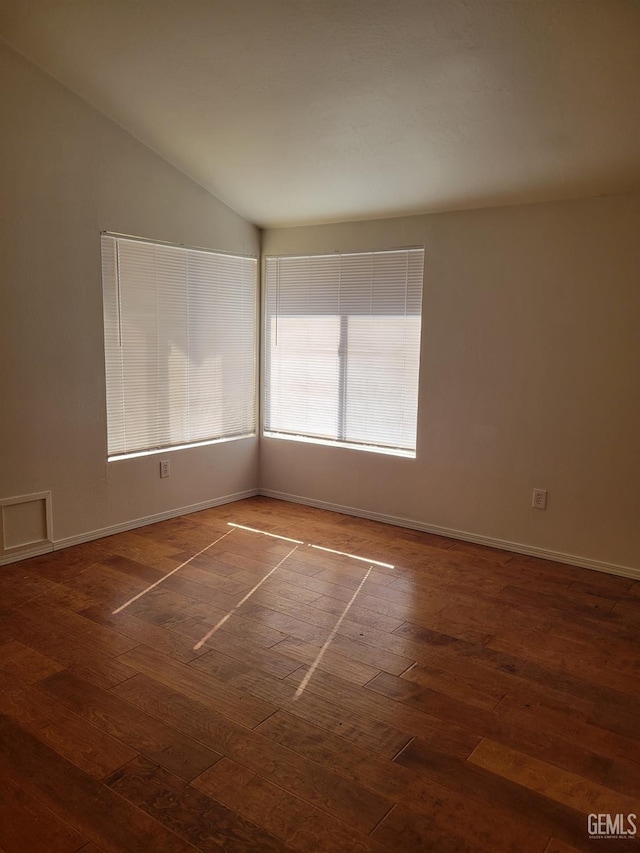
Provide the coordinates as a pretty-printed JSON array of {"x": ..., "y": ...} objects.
[
  {"x": 329, "y": 640},
  {"x": 353, "y": 557},
  {"x": 201, "y": 642},
  {"x": 264, "y": 533},
  {"x": 297, "y": 543},
  {"x": 168, "y": 575}
]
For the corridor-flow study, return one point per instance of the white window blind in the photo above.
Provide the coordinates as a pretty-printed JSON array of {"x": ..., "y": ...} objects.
[
  {"x": 342, "y": 348},
  {"x": 180, "y": 345}
]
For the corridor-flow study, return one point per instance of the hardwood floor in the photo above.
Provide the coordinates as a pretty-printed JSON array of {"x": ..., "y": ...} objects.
[{"x": 272, "y": 696}]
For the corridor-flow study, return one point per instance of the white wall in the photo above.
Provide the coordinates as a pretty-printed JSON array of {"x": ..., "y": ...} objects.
[
  {"x": 66, "y": 173},
  {"x": 531, "y": 349},
  {"x": 530, "y": 377}
]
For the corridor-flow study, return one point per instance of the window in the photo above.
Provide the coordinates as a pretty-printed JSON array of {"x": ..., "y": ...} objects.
[
  {"x": 180, "y": 345},
  {"x": 342, "y": 348}
]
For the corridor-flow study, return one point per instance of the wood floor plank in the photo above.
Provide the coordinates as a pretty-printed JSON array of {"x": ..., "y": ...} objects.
[
  {"x": 87, "y": 805},
  {"x": 190, "y": 813},
  {"x": 370, "y": 610},
  {"x": 480, "y": 623},
  {"x": 19, "y": 585},
  {"x": 167, "y": 605},
  {"x": 588, "y": 686},
  {"x": 557, "y": 846},
  {"x": 355, "y": 646},
  {"x": 485, "y": 687},
  {"x": 162, "y": 744},
  {"x": 401, "y": 786},
  {"x": 382, "y": 740},
  {"x": 43, "y": 716},
  {"x": 256, "y": 547},
  {"x": 270, "y": 660},
  {"x": 224, "y": 698},
  {"x": 199, "y": 528},
  {"x": 579, "y": 732},
  {"x": 24, "y": 663},
  {"x": 218, "y": 591},
  {"x": 396, "y": 783},
  {"x": 102, "y": 584},
  {"x": 426, "y": 643},
  {"x": 302, "y": 565},
  {"x": 430, "y": 702},
  {"x": 616, "y": 629},
  {"x": 27, "y": 825},
  {"x": 210, "y": 561},
  {"x": 540, "y": 776},
  {"x": 227, "y": 669},
  {"x": 484, "y": 551},
  {"x": 303, "y": 826},
  {"x": 451, "y": 736},
  {"x": 333, "y": 590},
  {"x": 623, "y": 721},
  {"x": 303, "y": 778},
  {"x": 571, "y": 600},
  {"x": 86, "y": 659},
  {"x": 274, "y": 584},
  {"x": 461, "y": 699},
  {"x": 328, "y": 615},
  {"x": 471, "y": 687},
  {"x": 226, "y": 563},
  {"x": 290, "y": 620},
  {"x": 283, "y": 623},
  {"x": 454, "y": 825},
  {"x": 134, "y": 568},
  {"x": 329, "y": 660},
  {"x": 80, "y": 630},
  {"x": 295, "y": 655},
  {"x": 59, "y": 566},
  {"x": 166, "y": 609},
  {"x": 172, "y": 610},
  {"x": 130, "y": 545},
  {"x": 67, "y": 596},
  {"x": 355, "y": 576},
  {"x": 326, "y": 711},
  {"x": 399, "y": 610},
  {"x": 383, "y": 644},
  {"x": 463, "y": 777},
  {"x": 559, "y": 742},
  {"x": 549, "y": 651},
  {"x": 145, "y": 633}
]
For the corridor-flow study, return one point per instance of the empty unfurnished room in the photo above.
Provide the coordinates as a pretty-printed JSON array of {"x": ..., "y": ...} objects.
[{"x": 320, "y": 426}]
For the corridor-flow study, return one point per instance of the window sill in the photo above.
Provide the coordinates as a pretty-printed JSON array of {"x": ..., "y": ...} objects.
[
  {"x": 368, "y": 448},
  {"x": 118, "y": 457}
]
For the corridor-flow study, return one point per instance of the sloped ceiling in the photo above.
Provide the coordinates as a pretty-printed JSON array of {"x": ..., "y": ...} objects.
[{"x": 300, "y": 111}]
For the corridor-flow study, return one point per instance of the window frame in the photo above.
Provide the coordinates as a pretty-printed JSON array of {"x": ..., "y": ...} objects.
[
  {"x": 253, "y": 313},
  {"x": 342, "y": 440}
]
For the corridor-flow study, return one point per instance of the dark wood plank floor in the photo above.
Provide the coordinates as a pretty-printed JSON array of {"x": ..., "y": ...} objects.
[{"x": 270, "y": 695}]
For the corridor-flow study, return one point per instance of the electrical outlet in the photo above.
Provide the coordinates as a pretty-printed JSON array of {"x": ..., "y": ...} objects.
[
  {"x": 165, "y": 468},
  {"x": 539, "y": 499}
]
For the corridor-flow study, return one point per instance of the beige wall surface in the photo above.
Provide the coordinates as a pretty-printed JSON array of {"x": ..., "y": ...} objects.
[
  {"x": 530, "y": 349},
  {"x": 66, "y": 174},
  {"x": 530, "y": 377}
]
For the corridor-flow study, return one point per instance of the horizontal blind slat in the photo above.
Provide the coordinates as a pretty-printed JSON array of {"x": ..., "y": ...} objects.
[
  {"x": 342, "y": 346},
  {"x": 180, "y": 345}
]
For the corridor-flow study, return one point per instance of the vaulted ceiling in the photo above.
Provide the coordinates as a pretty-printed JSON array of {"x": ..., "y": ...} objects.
[{"x": 299, "y": 111}]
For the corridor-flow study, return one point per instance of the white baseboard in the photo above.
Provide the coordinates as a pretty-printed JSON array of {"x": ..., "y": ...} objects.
[
  {"x": 463, "y": 535},
  {"x": 502, "y": 544},
  {"x": 25, "y": 553},
  {"x": 90, "y": 535}
]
